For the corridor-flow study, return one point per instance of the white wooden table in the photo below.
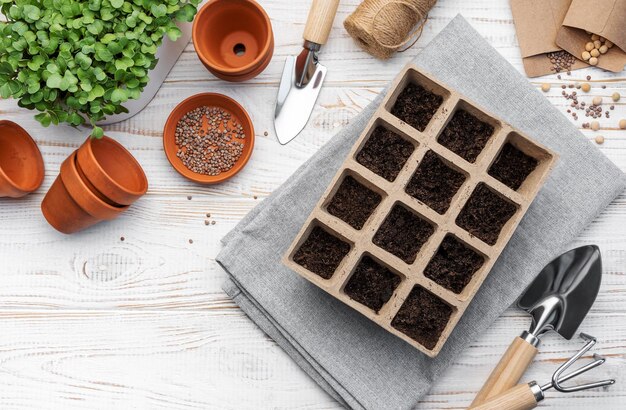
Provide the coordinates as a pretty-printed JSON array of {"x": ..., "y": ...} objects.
[{"x": 91, "y": 321}]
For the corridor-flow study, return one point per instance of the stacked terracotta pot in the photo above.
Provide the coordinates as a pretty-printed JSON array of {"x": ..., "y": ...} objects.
[
  {"x": 97, "y": 182},
  {"x": 21, "y": 164},
  {"x": 233, "y": 39}
]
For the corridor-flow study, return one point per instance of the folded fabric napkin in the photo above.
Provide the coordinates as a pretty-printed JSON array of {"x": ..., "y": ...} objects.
[{"x": 353, "y": 359}]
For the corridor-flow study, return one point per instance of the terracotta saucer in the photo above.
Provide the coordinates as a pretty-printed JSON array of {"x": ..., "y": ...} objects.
[{"x": 209, "y": 100}]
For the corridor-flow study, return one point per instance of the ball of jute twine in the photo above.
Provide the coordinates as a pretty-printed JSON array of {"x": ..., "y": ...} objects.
[{"x": 382, "y": 27}]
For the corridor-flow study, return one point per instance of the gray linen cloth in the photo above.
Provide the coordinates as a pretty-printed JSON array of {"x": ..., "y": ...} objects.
[{"x": 353, "y": 359}]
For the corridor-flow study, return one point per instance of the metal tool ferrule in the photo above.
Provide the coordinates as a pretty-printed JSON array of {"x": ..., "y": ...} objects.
[
  {"x": 530, "y": 338},
  {"x": 309, "y": 45},
  {"x": 536, "y": 391}
]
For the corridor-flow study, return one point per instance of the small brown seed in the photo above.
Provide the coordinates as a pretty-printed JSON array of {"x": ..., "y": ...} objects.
[{"x": 585, "y": 87}]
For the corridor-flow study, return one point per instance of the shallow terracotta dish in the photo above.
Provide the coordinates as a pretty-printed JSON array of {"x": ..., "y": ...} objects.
[
  {"x": 233, "y": 38},
  {"x": 210, "y": 100},
  {"x": 21, "y": 164},
  {"x": 112, "y": 170},
  {"x": 70, "y": 205}
]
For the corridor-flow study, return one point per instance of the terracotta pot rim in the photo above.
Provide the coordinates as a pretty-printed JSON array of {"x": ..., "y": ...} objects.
[
  {"x": 69, "y": 171},
  {"x": 39, "y": 166},
  {"x": 263, "y": 54},
  {"x": 87, "y": 149},
  {"x": 245, "y": 76},
  {"x": 200, "y": 178}
]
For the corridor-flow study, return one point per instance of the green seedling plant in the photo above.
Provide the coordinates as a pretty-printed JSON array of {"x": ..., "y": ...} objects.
[{"x": 78, "y": 61}]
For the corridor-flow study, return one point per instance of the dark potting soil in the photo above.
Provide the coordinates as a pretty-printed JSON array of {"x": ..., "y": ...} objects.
[
  {"x": 465, "y": 135},
  {"x": 403, "y": 233},
  {"x": 321, "y": 253},
  {"x": 512, "y": 166},
  {"x": 416, "y": 106},
  {"x": 422, "y": 317},
  {"x": 353, "y": 202},
  {"x": 434, "y": 183},
  {"x": 484, "y": 214},
  {"x": 371, "y": 284},
  {"x": 453, "y": 265},
  {"x": 385, "y": 153}
]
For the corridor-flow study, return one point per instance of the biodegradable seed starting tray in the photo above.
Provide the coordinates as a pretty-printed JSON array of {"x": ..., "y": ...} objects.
[{"x": 420, "y": 210}]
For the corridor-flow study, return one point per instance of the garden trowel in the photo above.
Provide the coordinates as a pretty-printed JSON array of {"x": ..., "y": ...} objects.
[
  {"x": 303, "y": 75},
  {"x": 558, "y": 300}
]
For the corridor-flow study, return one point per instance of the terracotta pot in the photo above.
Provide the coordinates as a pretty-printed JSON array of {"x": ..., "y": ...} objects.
[
  {"x": 70, "y": 205},
  {"x": 21, "y": 164},
  {"x": 210, "y": 100},
  {"x": 112, "y": 170},
  {"x": 233, "y": 38}
]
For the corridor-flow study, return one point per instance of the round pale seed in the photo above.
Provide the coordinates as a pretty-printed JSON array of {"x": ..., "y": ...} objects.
[
  {"x": 622, "y": 124},
  {"x": 597, "y": 44},
  {"x": 585, "y": 87},
  {"x": 589, "y": 46},
  {"x": 586, "y": 55},
  {"x": 593, "y": 61},
  {"x": 597, "y": 100},
  {"x": 603, "y": 49},
  {"x": 608, "y": 43},
  {"x": 595, "y": 37},
  {"x": 545, "y": 87},
  {"x": 616, "y": 96},
  {"x": 595, "y": 52},
  {"x": 599, "y": 139},
  {"x": 595, "y": 125}
]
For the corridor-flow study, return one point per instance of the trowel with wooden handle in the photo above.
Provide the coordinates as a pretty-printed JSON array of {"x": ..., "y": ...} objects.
[
  {"x": 303, "y": 75},
  {"x": 558, "y": 300}
]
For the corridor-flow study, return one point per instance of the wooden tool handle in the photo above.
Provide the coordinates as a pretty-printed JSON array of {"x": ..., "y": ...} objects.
[
  {"x": 519, "y": 397},
  {"x": 320, "y": 20},
  {"x": 509, "y": 370}
]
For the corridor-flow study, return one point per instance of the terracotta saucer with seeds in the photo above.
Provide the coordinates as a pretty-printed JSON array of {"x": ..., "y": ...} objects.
[{"x": 223, "y": 104}]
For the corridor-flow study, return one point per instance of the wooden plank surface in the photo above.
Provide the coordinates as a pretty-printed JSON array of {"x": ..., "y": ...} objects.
[{"x": 91, "y": 321}]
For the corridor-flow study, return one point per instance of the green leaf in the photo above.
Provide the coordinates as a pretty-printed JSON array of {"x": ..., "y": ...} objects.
[
  {"x": 158, "y": 10},
  {"x": 97, "y": 132},
  {"x": 186, "y": 13},
  {"x": 54, "y": 81},
  {"x": 174, "y": 33},
  {"x": 117, "y": 3},
  {"x": 119, "y": 95},
  {"x": 44, "y": 118}
]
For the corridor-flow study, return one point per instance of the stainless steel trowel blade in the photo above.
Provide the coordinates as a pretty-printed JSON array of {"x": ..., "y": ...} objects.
[
  {"x": 293, "y": 104},
  {"x": 574, "y": 280}
]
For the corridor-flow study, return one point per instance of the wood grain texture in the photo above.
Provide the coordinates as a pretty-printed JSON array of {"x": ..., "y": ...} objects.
[{"x": 93, "y": 322}]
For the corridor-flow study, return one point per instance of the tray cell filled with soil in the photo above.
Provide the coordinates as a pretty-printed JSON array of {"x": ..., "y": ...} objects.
[
  {"x": 468, "y": 132},
  {"x": 485, "y": 214},
  {"x": 516, "y": 163},
  {"x": 423, "y": 317},
  {"x": 453, "y": 265},
  {"x": 321, "y": 252},
  {"x": 426, "y": 200},
  {"x": 403, "y": 233},
  {"x": 372, "y": 283},
  {"x": 353, "y": 202},
  {"x": 435, "y": 182},
  {"x": 385, "y": 152},
  {"x": 417, "y": 100}
]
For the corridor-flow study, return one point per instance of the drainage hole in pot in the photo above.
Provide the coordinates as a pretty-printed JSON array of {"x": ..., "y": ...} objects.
[{"x": 239, "y": 49}]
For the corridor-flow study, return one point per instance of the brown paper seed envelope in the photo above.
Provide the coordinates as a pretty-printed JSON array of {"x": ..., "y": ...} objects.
[
  {"x": 536, "y": 24},
  {"x": 606, "y": 18}
]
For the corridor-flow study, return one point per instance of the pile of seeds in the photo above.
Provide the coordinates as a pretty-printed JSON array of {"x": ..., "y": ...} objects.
[
  {"x": 561, "y": 61},
  {"x": 209, "y": 140},
  {"x": 595, "y": 48}
]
